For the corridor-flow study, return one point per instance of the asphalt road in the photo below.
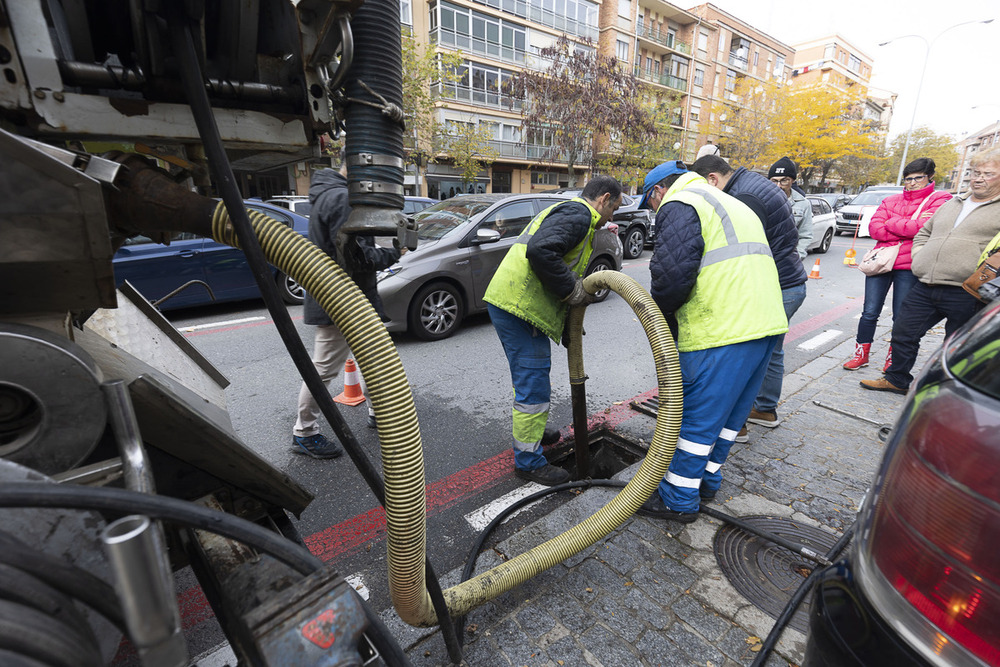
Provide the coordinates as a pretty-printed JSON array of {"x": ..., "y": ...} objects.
[{"x": 461, "y": 387}]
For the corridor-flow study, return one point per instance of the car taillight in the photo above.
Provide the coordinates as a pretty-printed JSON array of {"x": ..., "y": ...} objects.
[{"x": 935, "y": 532}]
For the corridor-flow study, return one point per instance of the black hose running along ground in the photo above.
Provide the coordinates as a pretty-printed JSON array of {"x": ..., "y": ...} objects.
[
  {"x": 182, "y": 38},
  {"x": 477, "y": 547}
]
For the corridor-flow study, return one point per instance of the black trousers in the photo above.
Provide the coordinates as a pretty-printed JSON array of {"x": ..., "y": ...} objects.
[{"x": 925, "y": 306}]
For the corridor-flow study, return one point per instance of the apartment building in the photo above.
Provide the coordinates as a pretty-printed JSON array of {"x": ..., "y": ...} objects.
[
  {"x": 983, "y": 140},
  {"x": 689, "y": 59}
]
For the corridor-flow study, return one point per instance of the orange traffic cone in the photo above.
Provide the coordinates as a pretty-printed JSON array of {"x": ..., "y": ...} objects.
[
  {"x": 815, "y": 272},
  {"x": 352, "y": 394}
]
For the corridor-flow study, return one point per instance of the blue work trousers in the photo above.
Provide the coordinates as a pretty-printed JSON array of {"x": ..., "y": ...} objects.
[
  {"x": 719, "y": 387},
  {"x": 529, "y": 355},
  {"x": 770, "y": 388}
]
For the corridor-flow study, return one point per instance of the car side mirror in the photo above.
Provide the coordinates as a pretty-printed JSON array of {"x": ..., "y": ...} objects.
[{"x": 484, "y": 235}]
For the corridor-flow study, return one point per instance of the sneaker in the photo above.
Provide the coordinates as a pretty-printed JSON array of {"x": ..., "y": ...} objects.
[
  {"x": 743, "y": 435},
  {"x": 888, "y": 360},
  {"x": 551, "y": 436},
  {"x": 316, "y": 446},
  {"x": 882, "y": 384},
  {"x": 547, "y": 475},
  {"x": 768, "y": 419},
  {"x": 654, "y": 507}
]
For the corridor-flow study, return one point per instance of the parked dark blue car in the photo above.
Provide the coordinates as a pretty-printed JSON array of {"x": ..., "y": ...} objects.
[{"x": 156, "y": 270}]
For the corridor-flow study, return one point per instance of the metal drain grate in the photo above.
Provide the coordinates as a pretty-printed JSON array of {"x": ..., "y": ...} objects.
[{"x": 764, "y": 573}]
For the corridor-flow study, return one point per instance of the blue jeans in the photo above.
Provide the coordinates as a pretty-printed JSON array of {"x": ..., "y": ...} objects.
[
  {"x": 770, "y": 388},
  {"x": 529, "y": 355},
  {"x": 719, "y": 386},
  {"x": 876, "y": 288},
  {"x": 925, "y": 306}
]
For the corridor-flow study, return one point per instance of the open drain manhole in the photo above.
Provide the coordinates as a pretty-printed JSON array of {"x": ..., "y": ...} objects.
[{"x": 765, "y": 573}]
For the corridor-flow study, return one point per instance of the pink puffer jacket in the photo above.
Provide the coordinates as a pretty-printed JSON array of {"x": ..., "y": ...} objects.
[{"x": 893, "y": 221}]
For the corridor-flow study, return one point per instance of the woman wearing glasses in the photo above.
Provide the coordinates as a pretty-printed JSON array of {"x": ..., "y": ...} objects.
[{"x": 896, "y": 221}]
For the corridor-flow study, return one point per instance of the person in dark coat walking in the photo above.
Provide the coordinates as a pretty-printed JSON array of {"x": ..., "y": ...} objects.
[{"x": 330, "y": 209}]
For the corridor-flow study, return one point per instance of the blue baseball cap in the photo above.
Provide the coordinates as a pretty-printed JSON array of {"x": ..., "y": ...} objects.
[{"x": 657, "y": 174}]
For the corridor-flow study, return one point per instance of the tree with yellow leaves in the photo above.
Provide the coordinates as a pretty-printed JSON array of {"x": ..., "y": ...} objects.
[{"x": 746, "y": 122}]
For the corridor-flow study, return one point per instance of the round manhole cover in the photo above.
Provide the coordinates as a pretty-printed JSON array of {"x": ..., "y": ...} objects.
[{"x": 765, "y": 573}]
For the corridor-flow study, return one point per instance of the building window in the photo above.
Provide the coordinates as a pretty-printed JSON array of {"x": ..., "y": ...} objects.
[
  {"x": 703, "y": 40},
  {"x": 854, "y": 64},
  {"x": 625, "y": 8},
  {"x": 695, "y": 111},
  {"x": 756, "y": 57},
  {"x": 829, "y": 51},
  {"x": 779, "y": 67},
  {"x": 479, "y": 33},
  {"x": 544, "y": 178},
  {"x": 405, "y": 12},
  {"x": 622, "y": 51},
  {"x": 699, "y": 75}
]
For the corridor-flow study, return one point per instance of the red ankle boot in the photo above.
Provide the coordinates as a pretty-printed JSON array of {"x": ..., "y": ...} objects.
[
  {"x": 888, "y": 360},
  {"x": 860, "y": 358}
]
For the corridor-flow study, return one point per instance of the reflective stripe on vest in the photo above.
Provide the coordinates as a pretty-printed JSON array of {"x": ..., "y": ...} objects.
[{"x": 734, "y": 248}]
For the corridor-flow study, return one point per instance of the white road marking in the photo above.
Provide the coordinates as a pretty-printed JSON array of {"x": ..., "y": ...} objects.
[
  {"x": 226, "y": 323},
  {"x": 357, "y": 582},
  {"x": 821, "y": 339},
  {"x": 481, "y": 517}
]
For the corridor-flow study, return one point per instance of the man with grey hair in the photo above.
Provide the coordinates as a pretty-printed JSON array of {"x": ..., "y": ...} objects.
[{"x": 945, "y": 252}]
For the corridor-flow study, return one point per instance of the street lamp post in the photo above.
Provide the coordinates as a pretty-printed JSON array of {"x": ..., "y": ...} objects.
[{"x": 916, "y": 101}]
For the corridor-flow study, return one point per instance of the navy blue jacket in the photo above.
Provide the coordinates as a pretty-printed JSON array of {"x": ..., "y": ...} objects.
[
  {"x": 330, "y": 209},
  {"x": 563, "y": 228},
  {"x": 676, "y": 258},
  {"x": 771, "y": 205}
]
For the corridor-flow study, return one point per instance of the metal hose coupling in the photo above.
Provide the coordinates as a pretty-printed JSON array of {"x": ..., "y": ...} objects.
[{"x": 399, "y": 430}]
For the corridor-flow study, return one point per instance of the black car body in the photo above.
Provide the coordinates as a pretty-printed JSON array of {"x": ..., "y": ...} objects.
[{"x": 921, "y": 584}]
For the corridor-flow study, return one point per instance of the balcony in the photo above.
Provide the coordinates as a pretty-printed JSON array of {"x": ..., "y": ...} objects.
[
  {"x": 662, "y": 38},
  {"x": 481, "y": 47},
  {"x": 521, "y": 151},
  {"x": 739, "y": 62},
  {"x": 675, "y": 82},
  {"x": 484, "y": 98}
]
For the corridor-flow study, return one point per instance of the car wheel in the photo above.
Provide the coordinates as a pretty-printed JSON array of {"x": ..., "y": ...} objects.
[
  {"x": 600, "y": 264},
  {"x": 634, "y": 242},
  {"x": 436, "y": 311},
  {"x": 291, "y": 292},
  {"x": 825, "y": 244}
]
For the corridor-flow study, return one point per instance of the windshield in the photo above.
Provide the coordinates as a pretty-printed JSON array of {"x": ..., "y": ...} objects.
[
  {"x": 434, "y": 222},
  {"x": 871, "y": 198},
  {"x": 975, "y": 357}
]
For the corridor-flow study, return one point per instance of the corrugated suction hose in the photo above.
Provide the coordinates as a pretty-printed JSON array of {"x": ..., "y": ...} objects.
[{"x": 399, "y": 430}]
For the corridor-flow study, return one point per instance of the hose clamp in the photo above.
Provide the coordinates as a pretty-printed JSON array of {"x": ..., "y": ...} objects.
[
  {"x": 374, "y": 160},
  {"x": 376, "y": 187}
]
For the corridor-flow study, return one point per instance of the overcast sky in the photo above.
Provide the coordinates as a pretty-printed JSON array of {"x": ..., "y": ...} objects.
[{"x": 961, "y": 72}]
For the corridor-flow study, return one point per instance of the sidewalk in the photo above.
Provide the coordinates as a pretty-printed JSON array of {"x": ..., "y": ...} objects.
[{"x": 652, "y": 592}]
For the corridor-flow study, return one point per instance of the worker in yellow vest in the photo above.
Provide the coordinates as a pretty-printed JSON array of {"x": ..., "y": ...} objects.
[
  {"x": 528, "y": 298},
  {"x": 713, "y": 277}
]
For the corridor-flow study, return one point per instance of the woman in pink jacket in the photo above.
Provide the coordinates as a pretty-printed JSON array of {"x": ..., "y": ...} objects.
[{"x": 896, "y": 222}]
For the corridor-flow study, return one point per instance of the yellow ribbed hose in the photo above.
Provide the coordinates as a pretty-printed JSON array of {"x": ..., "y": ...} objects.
[{"x": 399, "y": 430}]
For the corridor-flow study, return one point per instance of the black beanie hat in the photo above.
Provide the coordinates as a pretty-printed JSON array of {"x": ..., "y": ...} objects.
[{"x": 782, "y": 168}]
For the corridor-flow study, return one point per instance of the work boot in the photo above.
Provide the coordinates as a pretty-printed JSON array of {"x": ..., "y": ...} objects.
[
  {"x": 888, "y": 360},
  {"x": 743, "y": 435},
  {"x": 316, "y": 446},
  {"x": 767, "y": 419},
  {"x": 550, "y": 437},
  {"x": 654, "y": 507},
  {"x": 860, "y": 358},
  {"x": 547, "y": 475},
  {"x": 705, "y": 494},
  {"x": 882, "y": 384},
  {"x": 371, "y": 421}
]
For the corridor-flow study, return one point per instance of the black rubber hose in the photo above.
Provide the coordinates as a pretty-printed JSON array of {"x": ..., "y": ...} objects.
[
  {"x": 390, "y": 650},
  {"x": 183, "y": 43},
  {"x": 793, "y": 603},
  {"x": 378, "y": 64},
  {"x": 122, "y": 502},
  {"x": 29, "y": 632},
  {"x": 64, "y": 577},
  {"x": 19, "y": 587}
]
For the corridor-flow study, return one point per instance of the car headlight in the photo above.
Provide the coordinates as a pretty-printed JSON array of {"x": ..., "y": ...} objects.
[{"x": 390, "y": 271}]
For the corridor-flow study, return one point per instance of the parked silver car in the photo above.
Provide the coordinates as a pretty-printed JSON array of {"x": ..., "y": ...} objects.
[
  {"x": 462, "y": 241},
  {"x": 824, "y": 224}
]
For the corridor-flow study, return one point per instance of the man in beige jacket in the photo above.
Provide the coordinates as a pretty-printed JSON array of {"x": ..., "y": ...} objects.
[{"x": 945, "y": 252}]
